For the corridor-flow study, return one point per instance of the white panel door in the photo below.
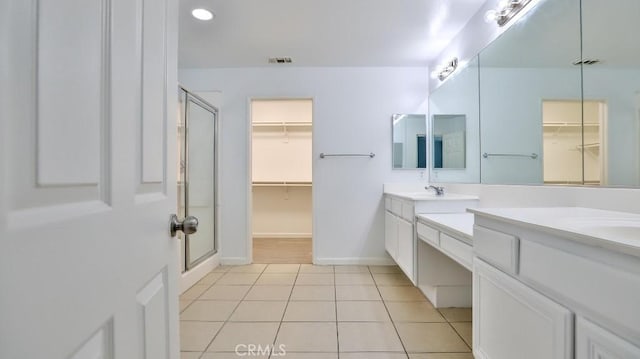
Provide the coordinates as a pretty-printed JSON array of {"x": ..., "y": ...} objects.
[
  {"x": 511, "y": 320},
  {"x": 406, "y": 249},
  {"x": 87, "y": 156},
  {"x": 391, "y": 234}
]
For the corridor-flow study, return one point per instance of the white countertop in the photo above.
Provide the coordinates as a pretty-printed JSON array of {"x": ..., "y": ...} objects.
[
  {"x": 460, "y": 225},
  {"x": 619, "y": 231},
  {"x": 430, "y": 196}
]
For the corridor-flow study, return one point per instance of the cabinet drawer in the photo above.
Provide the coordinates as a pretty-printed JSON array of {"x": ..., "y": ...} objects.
[
  {"x": 407, "y": 211},
  {"x": 594, "y": 342},
  {"x": 458, "y": 250},
  {"x": 603, "y": 290},
  {"x": 396, "y": 206},
  {"x": 429, "y": 234},
  {"x": 497, "y": 248}
]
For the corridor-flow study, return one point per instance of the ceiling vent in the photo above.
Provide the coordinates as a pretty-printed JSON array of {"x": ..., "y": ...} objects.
[
  {"x": 587, "y": 62},
  {"x": 280, "y": 60}
]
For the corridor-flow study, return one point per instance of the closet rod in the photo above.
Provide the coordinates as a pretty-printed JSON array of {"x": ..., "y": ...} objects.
[{"x": 370, "y": 155}]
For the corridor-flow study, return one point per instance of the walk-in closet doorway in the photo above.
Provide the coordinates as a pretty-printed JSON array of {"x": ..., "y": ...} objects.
[{"x": 281, "y": 211}]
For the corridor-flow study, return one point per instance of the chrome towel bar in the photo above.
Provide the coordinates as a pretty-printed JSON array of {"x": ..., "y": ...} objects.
[
  {"x": 487, "y": 155},
  {"x": 370, "y": 155}
]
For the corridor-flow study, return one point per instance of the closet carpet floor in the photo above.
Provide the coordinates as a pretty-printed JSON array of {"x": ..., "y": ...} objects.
[
  {"x": 277, "y": 250},
  {"x": 294, "y": 311}
]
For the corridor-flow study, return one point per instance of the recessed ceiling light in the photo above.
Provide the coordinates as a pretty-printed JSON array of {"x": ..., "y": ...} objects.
[{"x": 202, "y": 14}]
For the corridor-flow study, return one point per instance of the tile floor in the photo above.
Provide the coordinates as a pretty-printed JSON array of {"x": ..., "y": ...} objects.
[{"x": 325, "y": 312}]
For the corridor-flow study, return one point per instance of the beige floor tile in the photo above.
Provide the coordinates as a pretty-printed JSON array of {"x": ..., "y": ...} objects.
[
  {"x": 310, "y": 312},
  {"x": 259, "y": 311},
  {"x": 313, "y": 292},
  {"x": 269, "y": 292},
  {"x": 195, "y": 336},
  {"x": 312, "y": 268},
  {"x": 291, "y": 355},
  {"x": 366, "y": 355},
  {"x": 352, "y": 269},
  {"x": 465, "y": 330},
  {"x": 385, "y": 269},
  {"x": 222, "y": 269},
  {"x": 354, "y": 279},
  {"x": 233, "y": 355},
  {"x": 184, "y": 303},
  {"x": 211, "y": 278},
  {"x": 315, "y": 279},
  {"x": 391, "y": 279},
  {"x": 209, "y": 310},
  {"x": 282, "y": 268},
  {"x": 401, "y": 294},
  {"x": 413, "y": 312},
  {"x": 430, "y": 337},
  {"x": 368, "y": 337},
  {"x": 225, "y": 292},
  {"x": 190, "y": 355},
  {"x": 234, "y": 334},
  {"x": 362, "y": 311},
  {"x": 308, "y": 337},
  {"x": 249, "y": 268},
  {"x": 238, "y": 279},
  {"x": 441, "y": 356},
  {"x": 456, "y": 314},
  {"x": 194, "y": 292},
  {"x": 357, "y": 292},
  {"x": 276, "y": 279}
]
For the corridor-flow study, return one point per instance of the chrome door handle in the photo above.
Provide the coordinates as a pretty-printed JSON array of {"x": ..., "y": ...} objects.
[{"x": 188, "y": 226}]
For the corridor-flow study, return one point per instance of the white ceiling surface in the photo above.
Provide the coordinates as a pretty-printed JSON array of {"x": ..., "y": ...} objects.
[{"x": 246, "y": 33}]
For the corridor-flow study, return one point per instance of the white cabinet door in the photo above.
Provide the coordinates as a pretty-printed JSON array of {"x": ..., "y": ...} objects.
[
  {"x": 511, "y": 320},
  {"x": 87, "y": 179},
  {"x": 406, "y": 248},
  {"x": 391, "y": 235},
  {"x": 595, "y": 342}
]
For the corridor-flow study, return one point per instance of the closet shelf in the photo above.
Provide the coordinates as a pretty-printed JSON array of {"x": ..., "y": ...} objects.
[
  {"x": 281, "y": 184},
  {"x": 282, "y": 124}
]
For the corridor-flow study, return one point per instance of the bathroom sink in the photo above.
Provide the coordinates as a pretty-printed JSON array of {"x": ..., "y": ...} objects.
[
  {"x": 430, "y": 196},
  {"x": 608, "y": 228}
]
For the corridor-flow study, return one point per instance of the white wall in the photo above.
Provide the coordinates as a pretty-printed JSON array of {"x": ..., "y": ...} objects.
[{"x": 352, "y": 113}]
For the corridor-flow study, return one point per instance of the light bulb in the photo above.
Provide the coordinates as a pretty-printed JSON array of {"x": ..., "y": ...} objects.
[
  {"x": 202, "y": 14},
  {"x": 490, "y": 16}
]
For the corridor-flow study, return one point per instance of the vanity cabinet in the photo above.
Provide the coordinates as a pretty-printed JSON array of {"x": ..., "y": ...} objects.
[
  {"x": 399, "y": 234},
  {"x": 547, "y": 286}
]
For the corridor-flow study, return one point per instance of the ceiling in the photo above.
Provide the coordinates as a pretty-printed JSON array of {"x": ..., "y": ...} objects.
[{"x": 245, "y": 33}]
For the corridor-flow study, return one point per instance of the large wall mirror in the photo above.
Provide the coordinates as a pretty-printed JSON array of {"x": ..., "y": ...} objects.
[
  {"x": 455, "y": 120},
  {"x": 559, "y": 98},
  {"x": 409, "y": 141}
]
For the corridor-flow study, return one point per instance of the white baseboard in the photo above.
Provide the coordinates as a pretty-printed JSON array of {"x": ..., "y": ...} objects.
[
  {"x": 283, "y": 235},
  {"x": 368, "y": 261},
  {"x": 234, "y": 261},
  {"x": 191, "y": 277}
]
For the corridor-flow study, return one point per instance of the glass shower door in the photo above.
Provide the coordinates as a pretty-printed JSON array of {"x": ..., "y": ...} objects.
[{"x": 199, "y": 178}]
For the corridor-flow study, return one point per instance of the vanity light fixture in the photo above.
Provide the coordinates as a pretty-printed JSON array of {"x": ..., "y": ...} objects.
[
  {"x": 447, "y": 69},
  {"x": 202, "y": 14},
  {"x": 505, "y": 11}
]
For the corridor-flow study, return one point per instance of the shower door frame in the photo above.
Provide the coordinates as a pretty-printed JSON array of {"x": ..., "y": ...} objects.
[{"x": 189, "y": 96}]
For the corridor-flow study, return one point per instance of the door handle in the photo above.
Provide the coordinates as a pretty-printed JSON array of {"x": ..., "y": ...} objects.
[{"x": 188, "y": 226}]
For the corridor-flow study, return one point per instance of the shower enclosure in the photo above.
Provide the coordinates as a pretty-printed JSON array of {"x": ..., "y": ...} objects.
[{"x": 197, "y": 171}]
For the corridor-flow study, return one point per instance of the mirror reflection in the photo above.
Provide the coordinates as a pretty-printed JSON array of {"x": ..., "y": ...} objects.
[
  {"x": 409, "y": 141},
  {"x": 454, "y": 110},
  {"x": 449, "y": 141},
  {"x": 519, "y": 75}
]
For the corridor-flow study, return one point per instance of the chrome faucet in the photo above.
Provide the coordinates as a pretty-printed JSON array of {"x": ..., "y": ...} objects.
[{"x": 439, "y": 190}]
